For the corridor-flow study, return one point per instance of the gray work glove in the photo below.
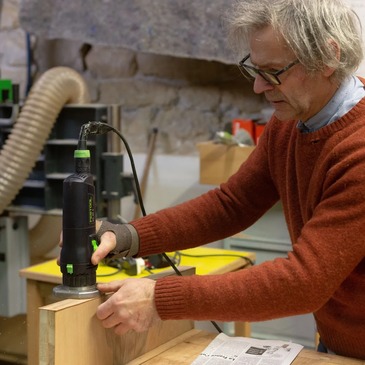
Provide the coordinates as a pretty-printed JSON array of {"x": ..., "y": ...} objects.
[{"x": 126, "y": 237}]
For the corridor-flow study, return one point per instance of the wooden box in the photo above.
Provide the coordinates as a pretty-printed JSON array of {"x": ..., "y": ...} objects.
[{"x": 219, "y": 161}]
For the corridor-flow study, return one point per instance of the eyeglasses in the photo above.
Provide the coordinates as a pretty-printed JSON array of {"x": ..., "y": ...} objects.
[{"x": 251, "y": 72}]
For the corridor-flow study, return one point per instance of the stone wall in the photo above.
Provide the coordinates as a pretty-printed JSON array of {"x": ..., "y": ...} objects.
[
  {"x": 13, "y": 45},
  {"x": 187, "y": 99}
]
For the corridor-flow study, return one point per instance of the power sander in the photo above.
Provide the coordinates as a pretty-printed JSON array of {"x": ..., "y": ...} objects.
[{"x": 78, "y": 229}]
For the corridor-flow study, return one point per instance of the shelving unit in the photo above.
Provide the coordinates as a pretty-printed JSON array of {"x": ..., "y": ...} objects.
[{"x": 42, "y": 191}]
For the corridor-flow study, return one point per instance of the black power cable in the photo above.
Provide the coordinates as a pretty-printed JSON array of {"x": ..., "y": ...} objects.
[{"x": 102, "y": 128}]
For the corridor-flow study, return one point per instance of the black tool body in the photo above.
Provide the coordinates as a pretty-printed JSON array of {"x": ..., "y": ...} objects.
[{"x": 78, "y": 233}]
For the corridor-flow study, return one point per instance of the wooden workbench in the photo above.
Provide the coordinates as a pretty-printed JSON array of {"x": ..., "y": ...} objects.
[
  {"x": 184, "y": 349},
  {"x": 43, "y": 277},
  {"x": 71, "y": 334}
]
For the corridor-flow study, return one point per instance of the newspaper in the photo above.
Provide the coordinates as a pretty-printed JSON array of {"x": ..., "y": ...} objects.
[{"x": 224, "y": 350}]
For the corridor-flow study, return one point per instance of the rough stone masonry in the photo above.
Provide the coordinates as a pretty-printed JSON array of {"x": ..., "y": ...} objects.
[{"x": 167, "y": 63}]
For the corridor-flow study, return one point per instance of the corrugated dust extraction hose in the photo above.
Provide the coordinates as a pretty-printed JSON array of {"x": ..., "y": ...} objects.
[{"x": 55, "y": 88}]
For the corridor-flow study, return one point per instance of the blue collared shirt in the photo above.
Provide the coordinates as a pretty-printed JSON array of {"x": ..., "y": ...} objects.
[{"x": 346, "y": 97}]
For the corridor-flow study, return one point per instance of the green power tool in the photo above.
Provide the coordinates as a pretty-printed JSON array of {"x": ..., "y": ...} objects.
[{"x": 78, "y": 230}]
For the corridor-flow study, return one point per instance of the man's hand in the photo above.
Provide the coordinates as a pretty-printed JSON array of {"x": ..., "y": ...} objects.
[
  {"x": 131, "y": 307},
  {"x": 116, "y": 239},
  {"x": 107, "y": 244}
]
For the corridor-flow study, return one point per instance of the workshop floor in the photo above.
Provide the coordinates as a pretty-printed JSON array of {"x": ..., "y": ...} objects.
[{"x": 13, "y": 349}]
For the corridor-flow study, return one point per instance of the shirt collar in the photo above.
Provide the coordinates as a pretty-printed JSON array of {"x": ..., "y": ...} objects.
[{"x": 350, "y": 92}]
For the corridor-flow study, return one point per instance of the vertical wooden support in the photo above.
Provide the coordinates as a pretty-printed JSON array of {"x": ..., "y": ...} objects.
[{"x": 242, "y": 329}]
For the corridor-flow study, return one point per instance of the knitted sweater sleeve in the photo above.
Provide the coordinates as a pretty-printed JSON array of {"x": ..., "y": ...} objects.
[{"x": 284, "y": 286}]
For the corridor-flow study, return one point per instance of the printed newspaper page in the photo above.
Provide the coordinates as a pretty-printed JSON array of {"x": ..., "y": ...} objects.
[{"x": 224, "y": 350}]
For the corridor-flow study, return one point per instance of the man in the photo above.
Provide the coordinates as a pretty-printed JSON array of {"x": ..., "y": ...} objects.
[{"x": 301, "y": 54}]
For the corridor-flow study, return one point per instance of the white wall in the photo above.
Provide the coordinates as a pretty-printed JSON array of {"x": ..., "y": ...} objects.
[
  {"x": 359, "y": 7},
  {"x": 171, "y": 180}
]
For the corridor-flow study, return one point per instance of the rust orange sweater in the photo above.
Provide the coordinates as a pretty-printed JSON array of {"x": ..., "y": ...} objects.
[{"x": 320, "y": 179}]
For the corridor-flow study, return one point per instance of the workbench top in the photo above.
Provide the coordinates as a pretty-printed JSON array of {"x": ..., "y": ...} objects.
[
  {"x": 184, "y": 349},
  {"x": 206, "y": 260}
]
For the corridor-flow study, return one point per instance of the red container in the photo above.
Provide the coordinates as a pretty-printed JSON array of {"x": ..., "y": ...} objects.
[{"x": 246, "y": 124}]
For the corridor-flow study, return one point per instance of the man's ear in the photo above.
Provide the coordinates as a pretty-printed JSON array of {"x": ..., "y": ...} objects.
[{"x": 328, "y": 70}]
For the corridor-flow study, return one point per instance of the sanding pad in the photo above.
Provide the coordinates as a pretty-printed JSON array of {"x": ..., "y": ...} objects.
[{"x": 67, "y": 292}]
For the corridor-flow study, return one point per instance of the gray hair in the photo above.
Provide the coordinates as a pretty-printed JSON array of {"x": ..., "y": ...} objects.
[{"x": 313, "y": 29}]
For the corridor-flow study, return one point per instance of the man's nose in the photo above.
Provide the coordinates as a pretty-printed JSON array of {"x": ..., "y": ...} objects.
[{"x": 260, "y": 85}]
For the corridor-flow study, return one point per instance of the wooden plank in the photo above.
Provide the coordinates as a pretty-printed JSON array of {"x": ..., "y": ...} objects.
[
  {"x": 132, "y": 345},
  {"x": 34, "y": 301},
  {"x": 310, "y": 357},
  {"x": 166, "y": 347},
  {"x": 39, "y": 294},
  {"x": 71, "y": 334},
  {"x": 184, "y": 270},
  {"x": 72, "y": 324}
]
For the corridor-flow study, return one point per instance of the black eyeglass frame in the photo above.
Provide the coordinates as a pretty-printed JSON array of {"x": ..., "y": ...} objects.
[{"x": 272, "y": 78}]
